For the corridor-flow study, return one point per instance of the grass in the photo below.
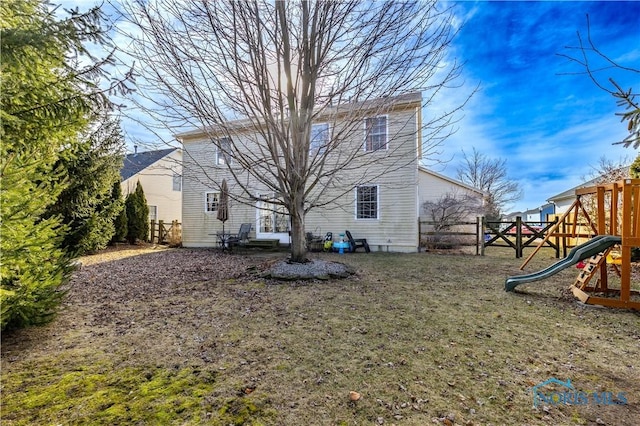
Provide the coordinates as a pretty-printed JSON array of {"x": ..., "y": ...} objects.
[{"x": 423, "y": 338}]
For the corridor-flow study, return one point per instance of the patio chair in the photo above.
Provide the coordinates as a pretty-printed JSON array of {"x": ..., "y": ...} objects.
[
  {"x": 355, "y": 243},
  {"x": 241, "y": 239}
]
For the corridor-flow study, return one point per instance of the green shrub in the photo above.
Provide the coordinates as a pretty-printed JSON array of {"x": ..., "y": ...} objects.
[
  {"x": 120, "y": 222},
  {"x": 137, "y": 216}
]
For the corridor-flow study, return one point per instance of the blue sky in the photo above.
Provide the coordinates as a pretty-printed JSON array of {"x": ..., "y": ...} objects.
[{"x": 551, "y": 128}]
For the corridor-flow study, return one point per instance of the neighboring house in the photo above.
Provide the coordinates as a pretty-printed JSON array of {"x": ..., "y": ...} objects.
[
  {"x": 565, "y": 199},
  {"x": 160, "y": 174},
  {"x": 432, "y": 186},
  {"x": 547, "y": 210},
  {"x": 511, "y": 217},
  {"x": 532, "y": 216},
  {"x": 385, "y": 210}
]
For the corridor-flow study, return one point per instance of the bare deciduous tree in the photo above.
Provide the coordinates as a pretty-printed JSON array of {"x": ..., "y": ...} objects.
[
  {"x": 278, "y": 67},
  {"x": 450, "y": 209},
  {"x": 446, "y": 213},
  {"x": 593, "y": 62},
  {"x": 490, "y": 176},
  {"x": 607, "y": 171}
]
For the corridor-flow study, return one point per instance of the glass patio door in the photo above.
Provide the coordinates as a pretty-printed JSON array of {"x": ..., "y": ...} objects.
[{"x": 272, "y": 221}]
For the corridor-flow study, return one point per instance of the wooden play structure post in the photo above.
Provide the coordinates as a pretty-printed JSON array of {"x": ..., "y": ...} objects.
[{"x": 623, "y": 195}]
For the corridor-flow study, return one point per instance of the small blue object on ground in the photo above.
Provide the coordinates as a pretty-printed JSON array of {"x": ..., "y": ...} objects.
[{"x": 341, "y": 246}]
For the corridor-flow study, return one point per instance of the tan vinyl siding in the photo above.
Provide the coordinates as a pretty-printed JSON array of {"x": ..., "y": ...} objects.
[
  {"x": 201, "y": 175},
  {"x": 157, "y": 183},
  {"x": 395, "y": 171},
  {"x": 433, "y": 186},
  {"x": 396, "y": 227}
]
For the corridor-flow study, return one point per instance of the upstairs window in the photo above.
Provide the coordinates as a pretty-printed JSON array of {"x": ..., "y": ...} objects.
[
  {"x": 375, "y": 133},
  {"x": 177, "y": 182},
  {"x": 211, "y": 200},
  {"x": 319, "y": 138},
  {"x": 367, "y": 202},
  {"x": 223, "y": 152}
]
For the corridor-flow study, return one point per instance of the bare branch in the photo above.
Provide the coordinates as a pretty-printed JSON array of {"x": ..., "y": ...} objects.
[
  {"x": 490, "y": 176},
  {"x": 260, "y": 74},
  {"x": 587, "y": 54}
]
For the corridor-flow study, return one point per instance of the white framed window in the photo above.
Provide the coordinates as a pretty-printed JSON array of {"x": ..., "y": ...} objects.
[
  {"x": 177, "y": 182},
  {"x": 375, "y": 129},
  {"x": 211, "y": 200},
  {"x": 367, "y": 202},
  {"x": 153, "y": 213},
  {"x": 223, "y": 152},
  {"x": 319, "y": 138}
]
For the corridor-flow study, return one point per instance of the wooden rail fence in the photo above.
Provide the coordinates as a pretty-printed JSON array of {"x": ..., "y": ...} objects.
[
  {"x": 435, "y": 235},
  {"x": 161, "y": 233},
  {"x": 516, "y": 234}
]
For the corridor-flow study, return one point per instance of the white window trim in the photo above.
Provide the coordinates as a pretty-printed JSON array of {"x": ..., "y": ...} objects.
[
  {"x": 260, "y": 208},
  {"x": 386, "y": 133},
  {"x": 206, "y": 204},
  {"x": 177, "y": 176},
  {"x": 329, "y": 129},
  {"x": 157, "y": 215},
  {"x": 377, "y": 218},
  {"x": 220, "y": 153}
]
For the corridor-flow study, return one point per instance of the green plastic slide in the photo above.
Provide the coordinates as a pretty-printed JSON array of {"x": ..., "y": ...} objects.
[{"x": 584, "y": 251}]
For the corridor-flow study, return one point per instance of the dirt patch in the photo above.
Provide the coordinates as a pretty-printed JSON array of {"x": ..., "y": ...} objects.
[
  {"x": 120, "y": 251},
  {"x": 181, "y": 336}
]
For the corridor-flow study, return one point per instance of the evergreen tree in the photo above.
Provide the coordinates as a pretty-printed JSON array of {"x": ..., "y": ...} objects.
[
  {"x": 120, "y": 222},
  {"x": 86, "y": 205},
  {"x": 137, "y": 216},
  {"x": 46, "y": 102},
  {"x": 634, "y": 170}
]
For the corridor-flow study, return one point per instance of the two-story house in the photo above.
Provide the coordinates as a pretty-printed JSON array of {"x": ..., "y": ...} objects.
[{"x": 377, "y": 194}]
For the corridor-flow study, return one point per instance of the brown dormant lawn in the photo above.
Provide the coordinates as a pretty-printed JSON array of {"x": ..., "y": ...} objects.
[{"x": 178, "y": 336}]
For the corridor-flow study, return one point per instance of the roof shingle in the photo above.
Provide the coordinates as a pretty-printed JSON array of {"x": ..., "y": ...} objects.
[{"x": 136, "y": 162}]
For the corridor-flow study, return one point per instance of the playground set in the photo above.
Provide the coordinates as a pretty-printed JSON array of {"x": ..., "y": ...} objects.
[{"x": 615, "y": 228}]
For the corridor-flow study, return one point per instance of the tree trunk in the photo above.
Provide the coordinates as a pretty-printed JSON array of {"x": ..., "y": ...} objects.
[{"x": 298, "y": 240}]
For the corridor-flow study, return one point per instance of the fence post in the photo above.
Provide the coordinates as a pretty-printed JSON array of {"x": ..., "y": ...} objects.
[
  {"x": 557, "y": 240},
  {"x": 518, "y": 237},
  {"x": 161, "y": 233},
  {"x": 173, "y": 232},
  {"x": 564, "y": 238},
  {"x": 152, "y": 230},
  {"x": 478, "y": 239},
  {"x": 483, "y": 231}
]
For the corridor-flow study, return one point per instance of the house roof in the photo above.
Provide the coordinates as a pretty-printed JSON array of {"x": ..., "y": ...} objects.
[
  {"x": 138, "y": 161},
  {"x": 423, "y": 169},
  {"x": 571, "y": 193}
]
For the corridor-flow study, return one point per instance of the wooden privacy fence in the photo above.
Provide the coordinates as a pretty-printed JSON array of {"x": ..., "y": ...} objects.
[
  {"x": 515, "y": 234},
  {"x": 161, "y": 233}
]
